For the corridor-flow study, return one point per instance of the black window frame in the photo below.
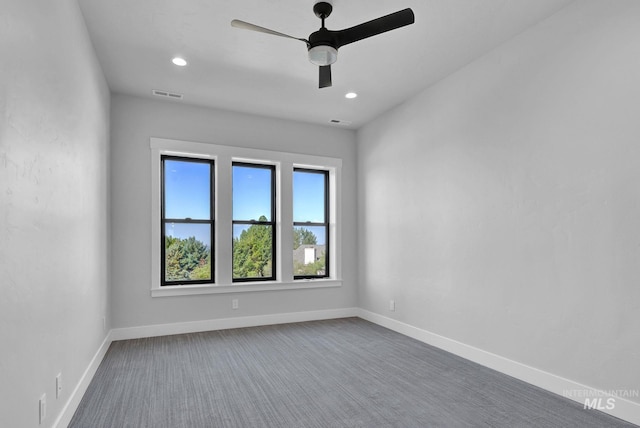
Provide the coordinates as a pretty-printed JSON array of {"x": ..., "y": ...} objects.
[
  {"x": 326, "y": 224},
  {"x": 272, "y": 222},
  {"x": 164, "y": 221}
]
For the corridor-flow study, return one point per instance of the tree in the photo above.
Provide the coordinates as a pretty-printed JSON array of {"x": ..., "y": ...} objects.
[
  {"x": 302, "y": 236},
  {"x": 173, "y": 255},
  {"x": 252, "y": 251},
  {"x": 202, "y": 271},
  {"x": 186, "y": 259}
]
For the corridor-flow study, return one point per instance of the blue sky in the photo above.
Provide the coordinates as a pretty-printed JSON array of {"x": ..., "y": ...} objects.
[
  {"x": 251, "y": 193},
  {"x": 187, "y": 190},
  {"x": 308, "y": 197}
]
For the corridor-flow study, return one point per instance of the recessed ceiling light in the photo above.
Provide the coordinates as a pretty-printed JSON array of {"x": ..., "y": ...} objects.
[
  {"x": 179, "y": 61},
  {"x": 351, "y": 95}
]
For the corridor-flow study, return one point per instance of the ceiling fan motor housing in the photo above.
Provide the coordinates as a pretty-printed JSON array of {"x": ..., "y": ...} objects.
[{"x": 323, "y": 49}]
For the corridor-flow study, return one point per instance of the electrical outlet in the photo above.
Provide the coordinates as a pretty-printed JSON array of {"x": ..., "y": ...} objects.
[
  {"x": 59, "y": 385},
  {"x": 43, "y": 408},
  {"x": 234, "y": 303},
  {"x": 392, "y": 305}
]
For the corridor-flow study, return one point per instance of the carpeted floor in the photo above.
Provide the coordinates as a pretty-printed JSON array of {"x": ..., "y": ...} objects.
[{"x": 336, "y": 373}]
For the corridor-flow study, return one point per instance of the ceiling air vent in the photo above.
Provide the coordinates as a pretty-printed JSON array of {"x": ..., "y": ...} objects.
[
  {"x": 340, "y": 122},
  {"x": 167, "y": 94}
]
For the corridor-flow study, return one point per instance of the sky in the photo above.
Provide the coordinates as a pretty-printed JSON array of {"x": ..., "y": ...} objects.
[{"x": 187, "y": 195}]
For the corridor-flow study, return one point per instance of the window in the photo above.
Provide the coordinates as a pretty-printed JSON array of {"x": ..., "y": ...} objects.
[
  {"x": 254, "y": 216},
  {"x": 230, "y": 219},
  {"x": 310, "y": 223},
  {"x": 187, "y": 221}
]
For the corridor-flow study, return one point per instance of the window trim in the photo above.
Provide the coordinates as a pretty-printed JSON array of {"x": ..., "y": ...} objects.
[{"x": 223, "y": 156}]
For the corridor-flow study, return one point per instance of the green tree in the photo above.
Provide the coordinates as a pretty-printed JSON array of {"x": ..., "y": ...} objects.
[
  {"x": 202, "y": 271},
  {"x": 252, "y": 252},
  {"x": 186, "y": 259},
  {"x": 173, "y": 255},
  {"x": 302, "y": 236}
]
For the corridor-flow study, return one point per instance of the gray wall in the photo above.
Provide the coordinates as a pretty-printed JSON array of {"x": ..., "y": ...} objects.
[
  {"x": 500, "y": 207},
  {"x": 54, "y": 228},
  {"x": 134, "y": 121}
]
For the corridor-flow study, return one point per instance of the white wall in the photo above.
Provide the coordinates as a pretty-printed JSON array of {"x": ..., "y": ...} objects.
[
  {"x": 54, "y": 228},
  {"x": 134, "y": 121},
  {"x": 501, "y": 207}
]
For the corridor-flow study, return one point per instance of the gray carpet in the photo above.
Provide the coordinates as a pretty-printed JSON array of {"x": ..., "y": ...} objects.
[{"x": 336, "y": 373}]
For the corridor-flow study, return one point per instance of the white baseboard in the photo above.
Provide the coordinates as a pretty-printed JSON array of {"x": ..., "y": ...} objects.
[
  {"x": 64, "y": 418},
  {"x": 623, "y": 408},
  {"x": 227, "y": 323}
]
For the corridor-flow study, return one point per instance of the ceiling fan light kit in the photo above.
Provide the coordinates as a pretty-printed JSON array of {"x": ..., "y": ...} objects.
[
  {"x": 323, "y": 55},
  {"x": 323, "y": 44}
]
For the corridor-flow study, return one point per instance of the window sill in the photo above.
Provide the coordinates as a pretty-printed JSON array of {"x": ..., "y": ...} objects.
[{"x": 186, "y": 290}]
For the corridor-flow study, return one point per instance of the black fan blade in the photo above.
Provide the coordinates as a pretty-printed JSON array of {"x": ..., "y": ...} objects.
[
  {"x": 247, "y": 26},
  {"x": 325, "y": 76},
  {"x": 374, "y": 27}
]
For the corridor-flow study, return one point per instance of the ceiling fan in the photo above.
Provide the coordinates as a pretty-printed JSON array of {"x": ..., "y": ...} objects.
[{"x": 323, "y": 44}]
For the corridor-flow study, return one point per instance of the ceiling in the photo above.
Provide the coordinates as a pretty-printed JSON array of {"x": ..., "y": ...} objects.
[{"x": 240, "y": 70}]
